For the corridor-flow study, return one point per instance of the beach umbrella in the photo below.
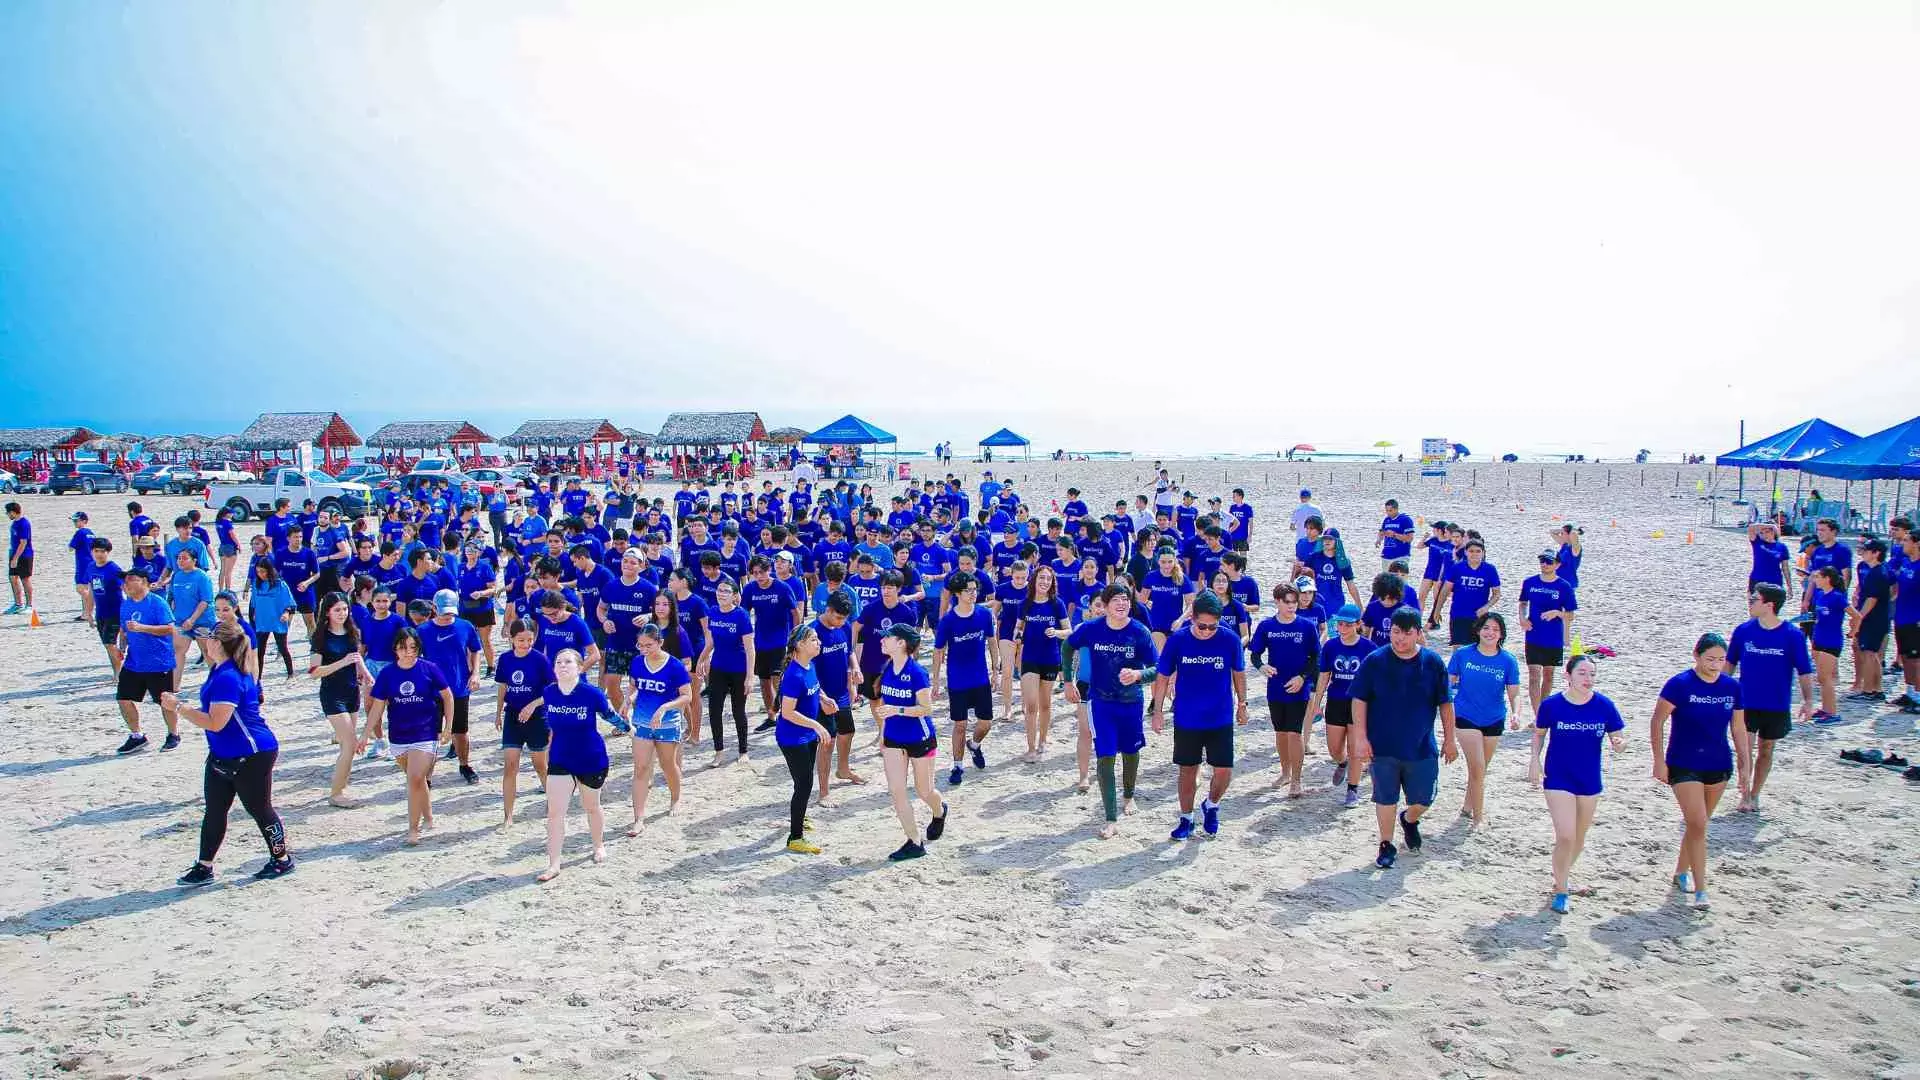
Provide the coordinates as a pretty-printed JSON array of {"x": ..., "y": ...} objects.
[
  {"x": 1461, "y": 450},
  {"x": 1382, "y": 442},
  {"x": 1305, "y": 448}
]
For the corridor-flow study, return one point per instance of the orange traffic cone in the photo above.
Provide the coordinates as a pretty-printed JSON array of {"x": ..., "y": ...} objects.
[
  {"x": 1614, "y": 523},
  {"x": 33, "y": 617},
  {"x": 1689, "y": 536}
]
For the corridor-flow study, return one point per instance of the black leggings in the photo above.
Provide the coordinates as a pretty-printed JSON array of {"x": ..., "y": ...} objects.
[
  {"x": 722, "y": 685},
  {"x": 800, "y": 762},
  {"x": 280, "y": 638},
  {"x": 251, "y": 778}
]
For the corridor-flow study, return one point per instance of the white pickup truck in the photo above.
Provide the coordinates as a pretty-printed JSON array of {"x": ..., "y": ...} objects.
[
  {"x": 290, "y": 483},
  {"x": 224, "y": 472}
]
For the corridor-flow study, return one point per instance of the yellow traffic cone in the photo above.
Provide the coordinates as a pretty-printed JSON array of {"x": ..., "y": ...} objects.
[{"x": 1578, "y": 648}]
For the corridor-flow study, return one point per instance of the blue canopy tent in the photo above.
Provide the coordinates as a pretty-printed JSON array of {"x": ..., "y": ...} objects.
[
  {"x": 1892, "y": 454},
  {"x": 1006, "y": 437},
  {"x": 852, "y": 431},
  {"x": 1785, "y": 450}
]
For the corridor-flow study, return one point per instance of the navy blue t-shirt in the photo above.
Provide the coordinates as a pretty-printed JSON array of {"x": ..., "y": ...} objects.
[{"x": 1402, "y": 697}]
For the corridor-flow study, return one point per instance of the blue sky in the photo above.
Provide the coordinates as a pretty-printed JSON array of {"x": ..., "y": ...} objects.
[{"x": 1113, "y": 225}]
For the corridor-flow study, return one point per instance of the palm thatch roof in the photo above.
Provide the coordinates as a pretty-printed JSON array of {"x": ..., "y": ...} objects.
[
  {"x": 563, "y": 433},
  {"x": 786, "y": 435},
  {"x": 711, "y": 429},
  {"x": 636, "y": 436},
  {"x": 44, "y": 438},
  {"x": 167, "y": 444},
  {"x": 285, "y": 431},
  {"x": 426, "y": 434}
]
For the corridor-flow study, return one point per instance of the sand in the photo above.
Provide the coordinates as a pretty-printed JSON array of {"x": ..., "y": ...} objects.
[{"x": 1022, "y": 944}]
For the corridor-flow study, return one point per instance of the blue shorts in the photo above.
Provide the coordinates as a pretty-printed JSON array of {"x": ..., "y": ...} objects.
[
  {"x": 1119, "y": 727},
  {"x": 83, "y": 575},
  {"x": 669, "y": 733},
  {"x": 1572, "y": 785},
  {"x": 525, "y": 735},
  {"x": 1415, "y": 777}
]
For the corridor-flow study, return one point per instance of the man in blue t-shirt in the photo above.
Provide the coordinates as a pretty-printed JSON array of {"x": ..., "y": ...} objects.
[
  {"x": 1904, "y": 575},
  {"x": 146, "y": 625},
  {"x": 19, "y": 558},
  {"x": 1205, "y": 664},
  {"x": 1396, "y": 695},
  {"x": 1396, "y": 533},
  {"x": 1766, "y": 654}
]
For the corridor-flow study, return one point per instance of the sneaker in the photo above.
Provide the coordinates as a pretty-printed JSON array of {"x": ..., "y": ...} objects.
[
  {"x": 451, "y": 753},
  {"x": 1182, "y": 830},
  {"x": 274, "y": 868},
  {"x": 133, "y": 745},
  {"x": 1412, "y": 831},
  {"x": 487, "y": 673},
  {"x": 1352, "y": 800},
  {"x": 1828, "y": 719},
  {"x": 376, "y": 748},
  {"x": 1210, "y": 818},
  {"x": 1700, "y": 901},
  {"x": 1339, "y": 774},
  {"x": 766, "y": 725},
  {"x": 171, "y": 742},
  {"x": 467, "y": 774},
  {"x": 1904, "y": 700},
  {"x": 803, "y": 847},
  {"x": 14, "y": 610},
  {"x": 1384, "y": 860},
  {"x": 908, "y": 850},
  {"x": 937, "y": 827},
  {"x": 1683, "y": 881},
  {"x": 958, "y": 774},
  {"x": 979, "y": 755},
  {"x": 198, "y": 874},
  {"x": 1559, "y": 903}
]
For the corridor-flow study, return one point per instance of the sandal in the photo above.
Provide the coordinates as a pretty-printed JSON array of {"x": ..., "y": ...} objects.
[
  {"x": 1912, "y": 773},
  {"x": 1862, "y": 757},
  {"x": 1895, "y": 762}
]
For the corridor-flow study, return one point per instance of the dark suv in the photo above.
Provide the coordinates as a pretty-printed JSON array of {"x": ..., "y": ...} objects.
[{"x": 85, "y": 477}]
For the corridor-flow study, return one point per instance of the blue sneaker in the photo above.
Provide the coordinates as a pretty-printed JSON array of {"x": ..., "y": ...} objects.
[
  {"x": 979, "y": 755},
  {"x": 1384, "y": 860},
  {"x": 1559, "y": 903},
  {"x": 1183, "y": 830},
  {"x": 1210, "y": 818},
  {"x": 958, "y": 774},
  {"x": 1827, "y": 719}
]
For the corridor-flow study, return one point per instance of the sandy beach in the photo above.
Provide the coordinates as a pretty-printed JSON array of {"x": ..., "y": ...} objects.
[{"x": 1022, "y": 944}]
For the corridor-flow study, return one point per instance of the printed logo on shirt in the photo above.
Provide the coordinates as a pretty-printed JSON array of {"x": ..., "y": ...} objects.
[
  {"x": 1346, "y": 666},
  {"x": 1699, "y": 699},
  {"x": 406, "y": 688},
  {"x": 1217, "y": 663}
]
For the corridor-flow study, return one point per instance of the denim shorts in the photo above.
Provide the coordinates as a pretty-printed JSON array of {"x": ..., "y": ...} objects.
[
  {"x": 1414, "y": 777},
  {"x": 669, "y": 733}
]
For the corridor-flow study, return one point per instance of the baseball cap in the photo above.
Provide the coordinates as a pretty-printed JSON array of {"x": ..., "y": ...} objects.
[
  {"x": 1549, "y": 555},
  {"x": 786, "y": 555},
  {"x": 1304, "y": 583},
  {"x": 1347, "y": 613},
  {"x": 446, "y": 602},
  {"x": 1305, "y": 494},
  {"x": 1873, "y": 544}
]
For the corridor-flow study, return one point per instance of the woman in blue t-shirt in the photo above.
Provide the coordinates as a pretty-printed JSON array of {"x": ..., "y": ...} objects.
[
  {"x": 798, "y": 731},
  {"x": 1041, "y": 610},
  {"x": 909, "y": 737},
  {"x": 1486, "y": 697},
  {"x": 413, "y": 697},
  {"x": 1704, "y": 704},
  {"x": 1571, "y": 725},
  {"x": 241, "y": 751},
  {"x": 577, "y": 756},
  {"x": 1828, "y": 606},
  {"x": 661, "y": 692}
]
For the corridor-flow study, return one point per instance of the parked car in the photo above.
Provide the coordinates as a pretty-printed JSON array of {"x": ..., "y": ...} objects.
[
  {"x": 225, "y": 472},
  {"x": 85, "y": 477},
  {"x": 171, "y": 479},
  {"x": 364, "y": 472},
  {"x": 492, "y": 480},
  {"x": 290, "y": 483},
  {"x": 9, "y": 483}
]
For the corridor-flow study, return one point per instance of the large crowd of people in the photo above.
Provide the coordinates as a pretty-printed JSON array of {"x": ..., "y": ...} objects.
[{"x": 840, "y": 612}]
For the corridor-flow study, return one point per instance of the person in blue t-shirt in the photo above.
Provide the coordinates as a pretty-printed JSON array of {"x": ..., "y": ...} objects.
[
  {"x": 19, "y": 558},
  {"x": 961, "y": 639},
  {"x": 1204, "y": 666},
  {"x": 798, "y": 731},
  {"x": 1704, "y": 704},
  {"x": 1340, "y": 658},
  {"x": 662, "y": 694},
  {"x": 1826, "y": 550},
  {"x": 1397, "y": 693},
  {"x": 1906, "y": 612},
  {"x": 1869, "y": 620},
  {"x": 450, "y": 644},
  {"x": 1439, "y": 551},
  {"x": 577, "y": 759},
  {"x": 81, "y": 544},
  {"x": 1570, "y": 727},
  {"x": 909, "y": 738},
  {"x": 413, "y": 699},
  {"x": 838, "y": 669},
  {"x": 1286, "y": 648},
  {"x": 1547, "y": 607},
  {"x": 1040, "y": 610},
  {"x": 1486, "y": 702},
  {"x": 1768, "y": 655},
  {"x": 775, "y": 613},
  {"x": 521, "y": 674},
  {"x": 1827, "y": 608},
  {"x": 146, "y": 626},
  {"x": 1120, "y": 657},
  {"x": 1396, "y": 533}
]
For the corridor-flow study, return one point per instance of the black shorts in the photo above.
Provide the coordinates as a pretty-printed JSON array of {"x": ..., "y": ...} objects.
[
  {"x": 460, "y": 715},
  {"x": 303, "y": 604},
  {"x": 530, "y": 735},
  {"x": 1830, "y": 650},
  {"x": 1545, "y": 655},
  {"x": 870, "y": 686},
  {"x": 1678, "y": 776},
  {"x": 920, "y": 749},
  {"x": 840, "y": 723},
  {"x": 1873, "y": 635},
  {"x": 335, "y": 702},
  {"x": 135, "y": 685},
  {"x": 1339, "y": 712},
  {"x": 768, "y": 663},
  {"x": 1084, "y": 688},
  {"x": 1240, "y": 545},
  {"x": 23, "y": 568},
  {"x": 1190, "y": 745},
  {"x": 1047, "y": 672},
  {"x": 329, "y": 583},
  {"x": 977, "y": 700},
  {"x": 480, "y": 617},
  {"x": 595, "y": 780},
  {"x": 593, "y": 627},
  {"x": 1460, "y": 631},
  {"x": 109, "y": 631},
  {"x": 619, "y": 661},
  {"x": 1491, "y": 731},
  {"x": 1769, "y": 724},
  {"x": 1906, "y": 639},
  {"x": 1288, "y": 716}
]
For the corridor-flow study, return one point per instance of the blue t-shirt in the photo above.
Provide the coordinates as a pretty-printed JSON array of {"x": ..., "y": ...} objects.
[
  {"x": 1570, "y": 565},
  {"x": 831, "y": 667},
  {"x": 1403, "y": 697},
  {"x": 148, "y": 652},
  {"x": 1330, "y": 576},
  {"x": 1340, "y": 662},
  {"x": 413, "y": 700},
  {"x": 731, "y": 630},
  {"x": 568, "y": 632},
  {"x": 187, "y": 589},
  {"x": 1576, "y": 735},
  {"x": 865, "y": 590},
  {"x": 1391, "y": 548},
  {"x": 571, "y": 719},
  {"x": 1702, "y": 717},
  {"x": 105, "y": 582},
  {"x": 1109, "y": 652},
  {"x": 901, "y": 689},
  {"x": 376, "y": 635},
  {"x": 1439, "y": 555},
  {"x": 451, "y": 648},
  {"x": 875, "y": 620},
  {"x": 1873, "y": 583},
  {"x": 1839, "y": 556},
  {"x": 1906, "y": 605},
  {"x": 1829, "y": 618},
  {"x": 1541, "y": 596},
  {"x": 82, "y": 545},
  {"x": 799, "y": 683},
  {"x": 1036, "y": 648},
  {"x": 1166, "y": 599},
  {"x": 625, "y": 603},
  {"x": 1471, "y": 587},
  {"x": 692, "y": 611},
  {"x": 1202, "y": 670},
  {"x": 965, "y": 640},
  {"x": 1009, "y": 598},
  {"x": 1766, "y": 662},
  {"x": 1481, "y": 696},
  {"x": 1291, "y": 649},
  {"x": 246, "y": 731},
  {"x": 652, "y": 689},
  {"x": 521, "y": 678},
  {"x": 772, "y": 606},
  {"x": 19, "y": 539}
]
